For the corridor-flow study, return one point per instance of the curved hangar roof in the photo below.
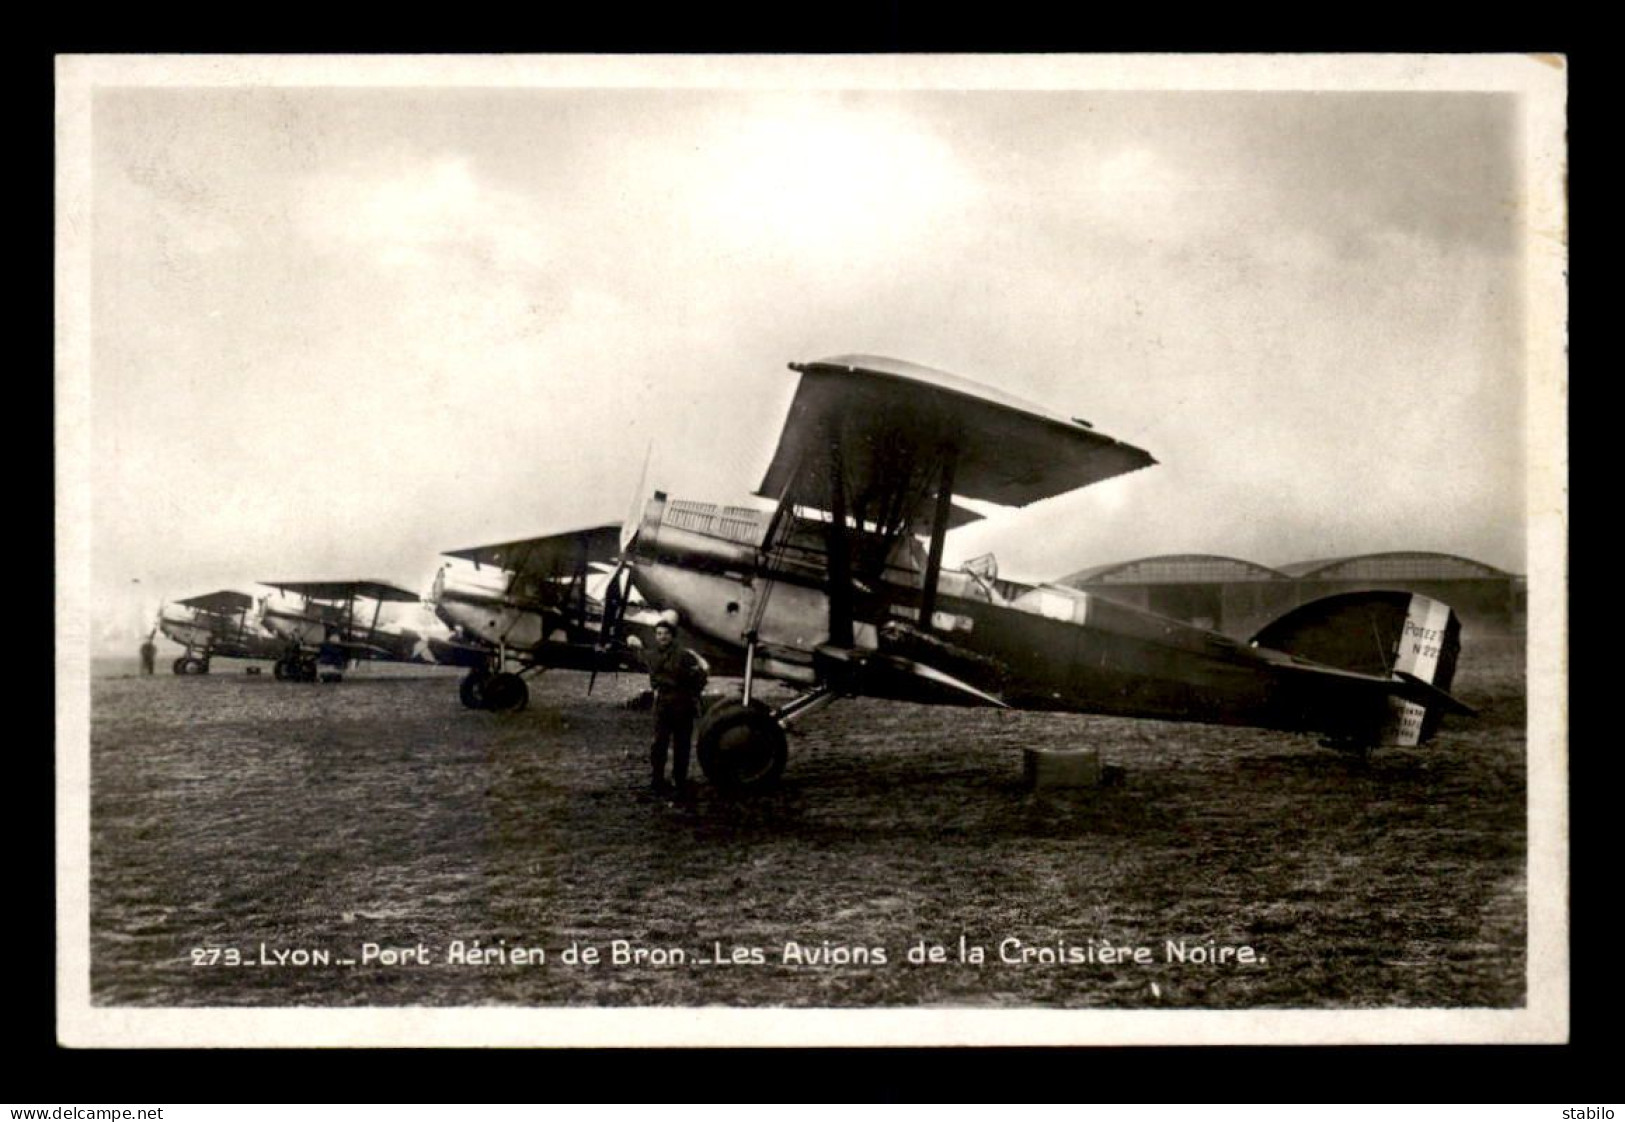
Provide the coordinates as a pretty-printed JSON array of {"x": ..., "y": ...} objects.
[
  {"x": 1202, "y": 568},
  {"x": 1176, "y": 568},
  {"x": 1399, "y": 565}
]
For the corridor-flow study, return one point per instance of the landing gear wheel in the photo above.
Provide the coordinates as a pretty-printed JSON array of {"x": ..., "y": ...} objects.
[
  {"x": 186, "y": 664},
  {"x": 472, "y": 688},
  {"x": 281, "y": 670},
  {"x": 202, "y": 666},
  {"x": 506, "y": 693},
  {"x": 305, "y": 670},
  {"x": 741, "y": 750},
  {"x": 179, "y": 665}
]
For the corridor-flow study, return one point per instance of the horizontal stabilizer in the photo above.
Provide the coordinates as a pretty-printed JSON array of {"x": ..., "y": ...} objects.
[{"x": 1426, "y": 693}]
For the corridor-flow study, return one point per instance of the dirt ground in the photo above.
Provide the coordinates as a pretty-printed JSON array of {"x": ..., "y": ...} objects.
[{"x": 260, "y": 843}]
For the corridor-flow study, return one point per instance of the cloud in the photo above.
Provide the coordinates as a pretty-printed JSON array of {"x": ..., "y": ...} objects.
[
  {"x": 344, "y": 330},
  {"x": 813, "y": 177},
  {"x": 421, "y": 211}
]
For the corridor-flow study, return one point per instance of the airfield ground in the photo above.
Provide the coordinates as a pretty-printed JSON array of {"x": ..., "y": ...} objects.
[{"x": 238, "y": 816}]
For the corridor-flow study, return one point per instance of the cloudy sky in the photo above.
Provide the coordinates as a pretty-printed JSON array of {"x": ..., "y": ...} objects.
[{"x": 334, "y": 331}]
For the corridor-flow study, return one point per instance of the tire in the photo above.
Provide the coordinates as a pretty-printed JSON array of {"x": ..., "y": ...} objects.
[
  {"x": 506, "y": 693},
  {"x": 280, "y": 670},
  {"x": 203, "y": 666},
  {"x": 306, "y": 670},
  {"x": 472, "y": 688},
  {"x": 741, "y": 750},
  {"x": 179, "y": 665},
  {"x": 190, "y": 666}
]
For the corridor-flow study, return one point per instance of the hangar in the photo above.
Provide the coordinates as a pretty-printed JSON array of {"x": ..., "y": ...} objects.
[
  {"x": 1201, "y": 588},
  {"x": 1488, "y": 600},
  {"x": 1238, "y": 597}
]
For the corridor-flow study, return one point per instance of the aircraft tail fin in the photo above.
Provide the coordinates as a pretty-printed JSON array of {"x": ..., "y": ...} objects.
[{"x": 1409, "y": 639}]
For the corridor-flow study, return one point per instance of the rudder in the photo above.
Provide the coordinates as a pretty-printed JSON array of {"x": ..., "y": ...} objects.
[{"x": 1429, "y": 644}]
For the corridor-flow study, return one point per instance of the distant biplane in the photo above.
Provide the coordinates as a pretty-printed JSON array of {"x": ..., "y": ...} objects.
[
  {"x": 224, "y": 623},
  {"x": 538, "y": 604},
  {"x": 331, "y": 616},
  {"x": 526, "y": 604},
  {"x": 834, "y": 592}
]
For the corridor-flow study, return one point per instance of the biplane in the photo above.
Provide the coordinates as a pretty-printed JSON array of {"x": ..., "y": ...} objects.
[
  {"x": 224, "y": 623},
  {"x": 330, "y": 621},
  {"x": 840, "y": 590},
  {"x": 539, "y": 604},
  {"x": 526, "y": 607}
]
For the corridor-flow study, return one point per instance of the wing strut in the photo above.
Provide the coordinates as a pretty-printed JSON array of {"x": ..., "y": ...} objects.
[
  {"x": 581, "y": 594},
  {"x": 778, "y": 530},
  {"x": 840, "y": 558},
  {"x": 372, "y": 629},
  {"x": 939, "y": 532}
]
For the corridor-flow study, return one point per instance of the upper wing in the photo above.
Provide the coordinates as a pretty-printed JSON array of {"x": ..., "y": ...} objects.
[
  {"x": 888, "y": 415},
  {"x": 345, "y": 590},
  {"x": 551, "y": 555},
  {"x": 225, "y": 602}
]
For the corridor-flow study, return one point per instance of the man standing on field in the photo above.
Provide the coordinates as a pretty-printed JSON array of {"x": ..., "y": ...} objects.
[{"x": 677, "y": 677}]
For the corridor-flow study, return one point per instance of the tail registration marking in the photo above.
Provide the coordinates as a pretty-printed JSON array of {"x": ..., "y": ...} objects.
[{"x": 1420, "y": 643}]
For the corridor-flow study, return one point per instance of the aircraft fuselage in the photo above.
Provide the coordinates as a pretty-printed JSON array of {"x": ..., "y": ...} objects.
[
  {"x": 308, "y": 628},
  {"x": 478, "y": 604},
  {"x": 208, "y": 633},
  {"x": 1029, "y": 647}
]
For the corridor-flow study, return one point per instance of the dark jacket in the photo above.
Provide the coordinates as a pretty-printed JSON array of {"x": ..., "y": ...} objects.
[{"x": 675, "y": 674}]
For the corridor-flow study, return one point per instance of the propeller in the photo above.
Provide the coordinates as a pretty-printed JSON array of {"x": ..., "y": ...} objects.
[
  {"x": 618, "y": 591},
  {"x": 634, "y": 515},
  {"x": 616, "y": 594}
]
